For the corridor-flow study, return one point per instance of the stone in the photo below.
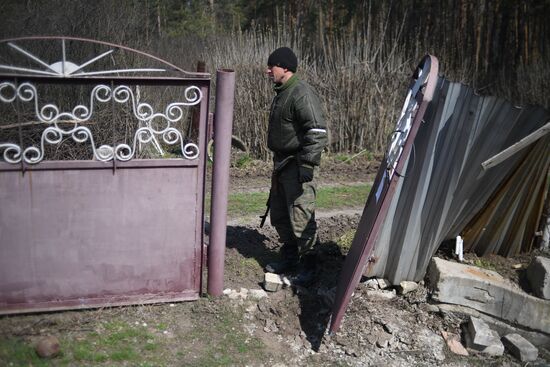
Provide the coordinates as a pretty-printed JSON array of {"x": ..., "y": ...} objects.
[
  {"x": 381, "y": 294},
  {"x": 383, "y": 283},
  {"x": 425, "y": 336},
  {"x": 272, "y": 282},
  {"x": 481, "y": 337},
  {"x": 538, "y": 274},
  {"x": 454, "y": 344},
  {"x": 407, "y": 287},
  {"x": 390, "y": 327},
  {"x": 429, "y": 307},
  {"x": 257, "y": 294},
  {"x": 48, "y": 347},
  {"x": 371, "y": 283},
  {"x": 383, "y": 339},
  {"x": 520, "y": 347},
  {"x": 488, "y": 292},
  {"x": 227, "y": 291},
  {"x": 234, "y": 295}
]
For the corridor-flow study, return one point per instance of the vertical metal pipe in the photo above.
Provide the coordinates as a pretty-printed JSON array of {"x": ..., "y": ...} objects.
[{"x": 223, "y": 124}]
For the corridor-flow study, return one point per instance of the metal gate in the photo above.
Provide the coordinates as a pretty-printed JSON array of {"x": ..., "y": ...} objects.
[{"x": 102, "y": 176}]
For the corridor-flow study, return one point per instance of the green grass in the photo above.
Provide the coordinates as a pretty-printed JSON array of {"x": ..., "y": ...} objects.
[
  {"x": 19, "y": 353},
  {"x": 337, "y": 197},
  {"x": 234, "y": 347},
  {"x": 118, "y": 343},
  {"x": 211, "y": 334},
  {"x": 328, "y": 198}
]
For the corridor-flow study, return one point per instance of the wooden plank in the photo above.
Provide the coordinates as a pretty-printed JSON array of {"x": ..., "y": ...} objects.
[{"x": 510, "y": 151}]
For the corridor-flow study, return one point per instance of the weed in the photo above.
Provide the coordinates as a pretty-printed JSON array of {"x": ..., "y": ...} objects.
[
  {"x": 161, "y": 326},
  {"x": 483, "y": 263},
  {"x": 250, "y": 263},
  {"x": 345, "y": 241},
  {"x": 344, "y": 158},
  {"x": 243, "y": 161}
]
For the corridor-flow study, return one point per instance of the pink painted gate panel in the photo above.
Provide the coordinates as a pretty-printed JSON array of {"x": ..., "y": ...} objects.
[{"x": 83, "y": 237}]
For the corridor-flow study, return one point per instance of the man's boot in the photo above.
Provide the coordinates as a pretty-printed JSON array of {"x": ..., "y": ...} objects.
[
  {"x": 308, "y": 268},
  {"x": 289, "y": 260}
]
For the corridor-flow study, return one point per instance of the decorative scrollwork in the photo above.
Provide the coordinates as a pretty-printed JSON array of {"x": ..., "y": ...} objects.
[{"x": 50, "y": 114}]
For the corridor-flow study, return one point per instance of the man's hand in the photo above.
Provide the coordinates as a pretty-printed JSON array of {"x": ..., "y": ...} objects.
[{"x": 305, "y": 173}]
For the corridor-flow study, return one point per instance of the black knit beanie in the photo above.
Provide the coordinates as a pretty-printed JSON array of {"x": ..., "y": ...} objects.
[{"x": 283, "y": 57}]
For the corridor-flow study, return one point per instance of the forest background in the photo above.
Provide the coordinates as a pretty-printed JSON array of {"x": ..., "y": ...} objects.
[{"x": 359, "y": 55}]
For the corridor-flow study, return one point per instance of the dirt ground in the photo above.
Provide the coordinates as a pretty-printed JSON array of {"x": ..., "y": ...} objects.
[{"x": 290, "y": 325}]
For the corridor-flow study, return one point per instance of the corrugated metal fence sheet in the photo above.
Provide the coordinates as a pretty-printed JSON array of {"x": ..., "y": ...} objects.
[{"x": 446, "y": 192}]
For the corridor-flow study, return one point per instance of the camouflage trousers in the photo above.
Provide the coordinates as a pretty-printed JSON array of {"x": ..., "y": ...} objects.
[{"x": 292, "y": 210}]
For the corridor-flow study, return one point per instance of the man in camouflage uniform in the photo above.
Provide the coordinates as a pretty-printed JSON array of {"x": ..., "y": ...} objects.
[{"x": 297, "y": 136}]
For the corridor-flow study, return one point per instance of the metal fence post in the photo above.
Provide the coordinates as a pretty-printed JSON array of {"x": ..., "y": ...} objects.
[{"x": 223, "y": 123}]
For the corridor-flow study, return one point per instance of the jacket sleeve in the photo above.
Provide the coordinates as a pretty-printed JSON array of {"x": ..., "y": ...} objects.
[{"x": 313, "y": 131}]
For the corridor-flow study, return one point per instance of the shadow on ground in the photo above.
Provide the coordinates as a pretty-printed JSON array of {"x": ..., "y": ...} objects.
[
  {"x": 316, "y": 300},
  {"x": 303, "y": 310}
]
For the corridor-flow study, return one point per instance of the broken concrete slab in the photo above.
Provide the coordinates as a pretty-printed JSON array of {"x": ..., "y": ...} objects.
[
  {"x": 538, "y": 274},
  {"x": 520, "y": 347},
  {"x": 502, "y": 328},
  {"x": 488, "y": 292},
  {"x": 272, "y": 282},
  {"x": 481, "y": 337}
]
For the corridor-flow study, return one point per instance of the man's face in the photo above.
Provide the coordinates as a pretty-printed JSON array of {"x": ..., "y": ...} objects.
[{"x": 277, "y": 74}]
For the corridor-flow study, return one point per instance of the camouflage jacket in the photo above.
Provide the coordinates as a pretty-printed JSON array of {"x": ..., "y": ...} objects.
[{"x": 296, "y": 123}]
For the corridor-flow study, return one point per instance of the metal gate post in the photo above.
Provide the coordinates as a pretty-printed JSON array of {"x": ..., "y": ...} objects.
[{"x": 223, "y": 124}]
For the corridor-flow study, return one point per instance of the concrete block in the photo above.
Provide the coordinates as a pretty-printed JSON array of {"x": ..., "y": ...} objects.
[
  {"x": 272, "y": 282},
  {"x": 407, "y": 287},
  {"x": 520, "y": 347},
  {"x": 488, "y": 292},
  {"x": 480, "y": 337},
  {"x": 538, "y": 274}
]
